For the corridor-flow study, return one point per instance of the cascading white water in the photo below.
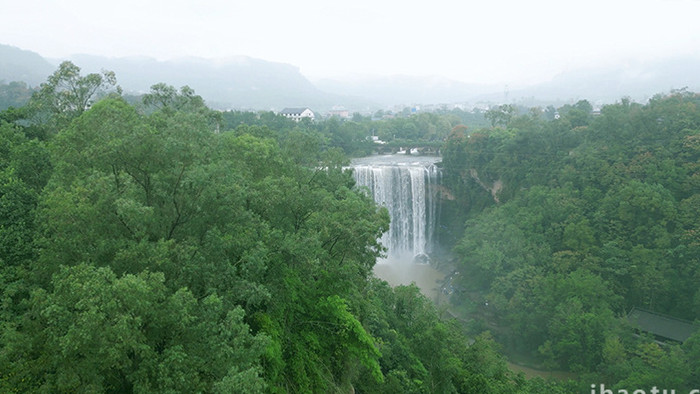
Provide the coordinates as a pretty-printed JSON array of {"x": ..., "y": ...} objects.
[{"x": 403, "y": 184}]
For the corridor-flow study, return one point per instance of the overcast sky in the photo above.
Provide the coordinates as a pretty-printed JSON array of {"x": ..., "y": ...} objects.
[{"x": 490, "y": 41}]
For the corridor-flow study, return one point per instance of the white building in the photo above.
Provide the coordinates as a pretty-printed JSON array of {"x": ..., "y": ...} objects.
[{"x": 297, "y": 114}]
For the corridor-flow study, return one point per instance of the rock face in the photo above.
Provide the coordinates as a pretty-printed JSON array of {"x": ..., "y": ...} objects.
[{"x": 494, "y": 189}]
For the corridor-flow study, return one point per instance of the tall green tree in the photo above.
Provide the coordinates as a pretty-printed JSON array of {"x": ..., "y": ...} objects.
[{"x": 67, "y": 94}]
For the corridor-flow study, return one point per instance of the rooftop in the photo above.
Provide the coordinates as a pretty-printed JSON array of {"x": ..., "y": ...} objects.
[
  {"x": 293, "y": 110},
  {"x": 661, "y": 325}
]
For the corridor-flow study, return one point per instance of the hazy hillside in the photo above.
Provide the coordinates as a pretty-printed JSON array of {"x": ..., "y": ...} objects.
[
  {"x": 240, "y": 82},
  {"x": 638, "y": 80},
  {"x": 247, "y": 83},
  {"x": 20, "y": 65},
  {"x": 403, "y": 89}
]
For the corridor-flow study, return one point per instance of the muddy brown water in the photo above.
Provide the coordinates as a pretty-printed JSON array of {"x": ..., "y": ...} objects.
[{"x": 427, "y": 278}]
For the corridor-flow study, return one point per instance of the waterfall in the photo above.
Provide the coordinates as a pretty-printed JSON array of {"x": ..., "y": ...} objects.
[{"x": 405, "y": 188}]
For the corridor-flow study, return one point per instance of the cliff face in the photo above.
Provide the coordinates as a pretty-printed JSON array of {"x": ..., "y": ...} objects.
[{"x": 494, "y": 189}]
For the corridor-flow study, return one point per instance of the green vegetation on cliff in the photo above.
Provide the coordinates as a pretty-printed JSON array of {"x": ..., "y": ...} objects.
[{"x": 572, "y": 222}]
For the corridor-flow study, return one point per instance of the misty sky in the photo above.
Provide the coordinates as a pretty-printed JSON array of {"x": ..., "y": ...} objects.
[{"x": 490, "y": 41}]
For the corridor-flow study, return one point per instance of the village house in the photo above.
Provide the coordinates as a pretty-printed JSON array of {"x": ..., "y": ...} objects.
[{"x": 297, "y": 114}]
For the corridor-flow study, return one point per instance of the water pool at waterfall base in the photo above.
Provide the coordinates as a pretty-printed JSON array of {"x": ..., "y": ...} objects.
[{"x": 397, "y": 271}]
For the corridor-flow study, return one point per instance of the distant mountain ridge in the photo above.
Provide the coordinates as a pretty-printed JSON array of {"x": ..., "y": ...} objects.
[
  {"x": 236, "y": 83},
  {"x": 638, "y": 80},
  {"x": 254, "y": 84},
  {"x": 407, "y": 90},
  {"x": 23, "y": 66},
  {"x": 241, "y": 83}
]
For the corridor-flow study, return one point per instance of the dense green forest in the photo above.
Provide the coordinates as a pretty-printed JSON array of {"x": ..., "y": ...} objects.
[
  {"x": 150, "y": 247},
  {"x": 150, "y": 244},
  {"x": 14, "y": 94},
  {"x": 353, "y": 136},
  {"x": 572, "y": 222}
]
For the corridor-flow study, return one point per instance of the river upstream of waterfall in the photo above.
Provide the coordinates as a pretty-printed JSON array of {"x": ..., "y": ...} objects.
[{"x": 406, "y": 186}]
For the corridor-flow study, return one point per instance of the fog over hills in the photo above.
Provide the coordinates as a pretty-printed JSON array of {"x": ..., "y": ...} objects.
[
  {"x": 248, "y": 83},
  {"x": 406, "y": 90},
  {"x": 639, "y": 80},
  {"x": 241, "y": 83},
  {"x": 22, "y": 65}
]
